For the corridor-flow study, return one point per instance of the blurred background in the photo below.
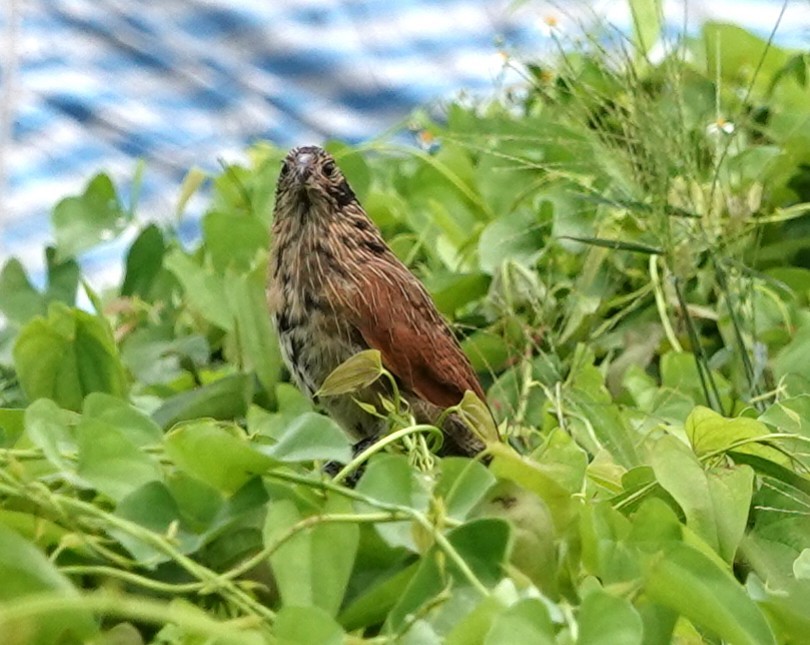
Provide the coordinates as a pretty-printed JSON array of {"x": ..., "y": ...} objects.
[{"x": 131, "y": 87}]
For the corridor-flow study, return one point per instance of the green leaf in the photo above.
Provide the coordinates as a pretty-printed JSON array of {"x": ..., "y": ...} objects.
[
  {"x": 204, "y": 508},
  {"x": 469, "y": 621},
  {"x": 390, "y": 478},
  {"x": 731, "y": 48},
  {"x": 616, "y": 245},
  {"x": 534, "y": 541},
  {"x": 120, "y": 634},
  {"x": 153, "y": 507},
  {"x": 12, "y": 426},
  {"x": 373, "y": 605},
  {"x": 716, "y": 503},
  {"x": 427, "y": 582},
  {"x": 312, "y": 567},
  {"x": 155, "y": 354},
  {"x": 68, "y": 355},
  {"x": 679, "y": 372},
  {"x": 193, "y": 179},
  {"x": 291, "y": 404},
  {"x": 563, "y": 458},
  {"x": 143, "y": 262},
  {"x": 449, "y": 174},
  {"x": 63, "y": 278},
  {"x": 693, "y": 585},
  {"x": 216, "y": 454},
  {"x": 83, "y": 221},
  {"x": 605, "y": 552},
  {"x": 507, "y": 393},
  {"x": 655, "y": 523},
  {"x": 659, "y": 622},
  {"x": 497, "y": 176},
  {"x": 605, "y": 619},
  {"x": 515, "y": 236},
  {"x": 256, "y": 338},
  {"x": 94, "y": 298},
  {"x": 49, "y": 428},
  {"x": 232, "y": 240},
  {"x": 452, "y": 291},
  {"x": 134, "y": 425},
  {"x": 478, "y": 417},
  {"x": 306, "y": 625},
  {"x": 353, "y": 166},
  {"x": 527, "y": 621},
  {"x": 710, "y": 432},
  {"x": 44, "y": 533},
  {"x": 786, "y": 608},
  {"x": 355, "y": 373},
  {"x": 310, "y": 436},
  {"x": 204, "y": 290},
  {"x": 483, "y": 545},
  {"x": 600, "y": 419},
  {"x": 25, "y": 572},
  {"x": 463, "y": 485},
  {"x": 780, "y": 473},
  {"x": 225, "y": 398},
  {"x": 681, "y": 475},
  {"x": 801, "y": 565},
  {"x": 647, "y": 22},
  {"x": 791, "y": 414},
  {"x": 110, "y": 461},
  {"x": 731, "y": 490},
  {"x": 792, "y": 358},
  {"x": 533, "y": 477},
  {"x": 19, "y": 301}
]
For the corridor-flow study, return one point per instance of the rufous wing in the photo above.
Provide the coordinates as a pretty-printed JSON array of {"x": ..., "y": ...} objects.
[{"x": 397, "y": 317}]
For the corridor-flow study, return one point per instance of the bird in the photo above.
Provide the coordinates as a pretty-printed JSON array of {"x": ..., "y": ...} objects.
[{"x": 335, "y": 288}]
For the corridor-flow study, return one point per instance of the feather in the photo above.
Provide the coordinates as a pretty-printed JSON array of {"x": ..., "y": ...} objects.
[
  {"x": 335, "y": 288},
  {"x": 397, "y": 317}
]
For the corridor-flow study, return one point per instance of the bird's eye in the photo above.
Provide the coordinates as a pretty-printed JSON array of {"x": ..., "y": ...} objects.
[
  {"x": 329, "y": 168},
  {"x": 285, "y": 168}
]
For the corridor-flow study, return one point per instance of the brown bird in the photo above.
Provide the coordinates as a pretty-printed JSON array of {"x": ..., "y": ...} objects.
[{"x": 336, "y": 288}]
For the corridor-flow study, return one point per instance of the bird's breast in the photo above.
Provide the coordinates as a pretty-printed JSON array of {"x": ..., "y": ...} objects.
[
  {"x": 308, "y": 281},
  {"x": 313, "y": 338}
]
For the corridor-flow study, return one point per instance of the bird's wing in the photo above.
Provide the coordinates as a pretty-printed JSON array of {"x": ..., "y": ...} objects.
[{"x": 396, "y": 316}]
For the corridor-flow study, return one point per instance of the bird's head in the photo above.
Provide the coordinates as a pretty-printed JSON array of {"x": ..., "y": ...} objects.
[{"x": 311, "y": 182}]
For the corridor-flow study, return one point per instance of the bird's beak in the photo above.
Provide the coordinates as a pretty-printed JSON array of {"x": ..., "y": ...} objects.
[{"x": 303, "y": 165}]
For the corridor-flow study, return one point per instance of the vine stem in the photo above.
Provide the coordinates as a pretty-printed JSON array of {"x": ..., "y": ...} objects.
[
  {"x": 306, "y": 523},
  {"x": 661, "y": 305},
  {"x": 377, "y": 446},
  {"x": 225, "y": 587},
  {"x": 32, "y": 607},
  {"x": 132, "y": 578},
  {"x": 438, "y": 537}
]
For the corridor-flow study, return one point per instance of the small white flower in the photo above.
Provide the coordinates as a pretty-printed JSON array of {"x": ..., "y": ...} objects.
[
  {"x": 720, "y": 126},
  {"x": 549, "y": 25},
  {"x": 427, "y": 141}
]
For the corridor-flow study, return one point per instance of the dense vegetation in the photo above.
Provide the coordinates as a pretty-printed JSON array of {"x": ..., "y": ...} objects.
[{"x": 624, "y": 248}]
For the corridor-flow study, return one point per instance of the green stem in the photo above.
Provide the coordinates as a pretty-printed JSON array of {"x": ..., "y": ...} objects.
[
  {"x": 661, "y": 305},
  {"x": 132, "y": 578},
  {"x": 439, "y": 538},
  {"x": 306, "y": 523},
  {"x": 31, "y": 608},
  {"x": 444, "y": 544},
  {"x": 43, "y": 496},
  {"x": 377, "y": 446}
]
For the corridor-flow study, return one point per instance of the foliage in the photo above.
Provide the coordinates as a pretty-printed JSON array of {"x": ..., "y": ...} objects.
[{"x": 623, "y": 246}]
